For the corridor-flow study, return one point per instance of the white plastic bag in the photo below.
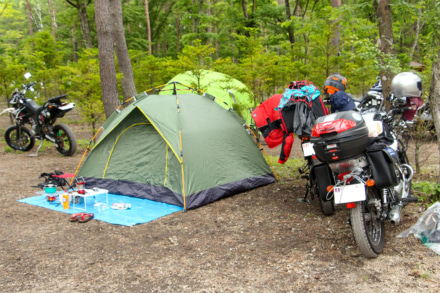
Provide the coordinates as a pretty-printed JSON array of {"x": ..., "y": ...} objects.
[{"x": 427, "y": 228}]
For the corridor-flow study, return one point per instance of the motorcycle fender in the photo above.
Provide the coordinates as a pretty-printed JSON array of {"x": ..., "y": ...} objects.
[
  {"x": 67, "y": 107},
  {"x": 323, "y": 175},
  {"x": 7, "y": 111}
]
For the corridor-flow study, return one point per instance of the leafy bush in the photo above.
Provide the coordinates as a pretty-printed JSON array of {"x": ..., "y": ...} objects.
[{"x": 430, "y": 191}]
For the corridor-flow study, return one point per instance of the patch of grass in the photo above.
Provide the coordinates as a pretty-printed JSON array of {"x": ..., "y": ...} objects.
[
  {"x": 83, "y": 143},
  {"x": 8, "y": 149},
  {"x": 287, "y": 169}
]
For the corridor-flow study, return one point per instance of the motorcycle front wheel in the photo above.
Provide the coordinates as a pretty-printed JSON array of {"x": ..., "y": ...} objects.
[
  {"x": 19, "y": 138},
  {"x": 65, "y": 141},
  {"x": 367, "y": 225}
]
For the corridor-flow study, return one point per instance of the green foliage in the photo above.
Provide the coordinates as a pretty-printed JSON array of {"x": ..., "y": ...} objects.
[
  {"x": 430, "y": 191},
  {"x": 213, "y": 36},
  {"x": 81, "y": 81}
]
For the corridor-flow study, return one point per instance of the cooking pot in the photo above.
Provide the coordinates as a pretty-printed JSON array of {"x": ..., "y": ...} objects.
[{"x": 50, "y": 188}]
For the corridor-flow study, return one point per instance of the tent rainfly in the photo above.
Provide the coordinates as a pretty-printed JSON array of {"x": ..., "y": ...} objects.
[{"x": 181, "y": 149}]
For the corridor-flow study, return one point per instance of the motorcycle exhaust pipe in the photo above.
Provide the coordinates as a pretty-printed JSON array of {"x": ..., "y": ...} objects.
[{"x": 394, "y": 215}]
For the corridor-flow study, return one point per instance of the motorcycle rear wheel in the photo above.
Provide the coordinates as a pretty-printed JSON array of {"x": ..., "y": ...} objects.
[
  {"x": 23, "y": 141},
  {"x": 367, "y": 226},
  {"x": 65, "y": 141},
  {"x": 327, "y": 206}
]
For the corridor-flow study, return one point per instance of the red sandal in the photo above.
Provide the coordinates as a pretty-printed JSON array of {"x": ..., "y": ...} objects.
[
  {"x": 76, "y": 217},
  {"x": 86, "y": 217}
]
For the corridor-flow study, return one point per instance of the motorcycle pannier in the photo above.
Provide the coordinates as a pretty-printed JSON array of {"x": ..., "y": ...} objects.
[
  {"x": 383, "y": 168},
  {"x": 339, "y": 136}
]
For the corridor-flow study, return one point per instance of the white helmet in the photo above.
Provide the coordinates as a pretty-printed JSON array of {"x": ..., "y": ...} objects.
[{"x": 407, "y": 84}]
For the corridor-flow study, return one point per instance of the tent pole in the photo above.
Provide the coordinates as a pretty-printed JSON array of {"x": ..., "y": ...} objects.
[
  {"x": 84, "y": 154},
  {"x": 183, "y": 177},
  {"x": 262, "y": 148}
]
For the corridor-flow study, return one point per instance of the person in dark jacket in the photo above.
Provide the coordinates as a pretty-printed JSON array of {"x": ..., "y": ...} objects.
[{"x": 335, "y": 86}]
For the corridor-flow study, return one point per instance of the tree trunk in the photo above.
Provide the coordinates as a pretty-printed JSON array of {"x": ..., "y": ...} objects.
[
  {"x": 107, "y": 71},
  {"x": 129, "y": 25},
  {"x": 75, "y": 44},
  {"x": 52, "y": 18},
  {"x": 208, "y": 13},
  {"x": 290, "y": 27},
  {"x": 147, "y": 16},
  {"x": 177, "y": 34},
  {"x": 244, "y": 7},
  {"x": 81, "y": 6},
  {"x": 434, "y": 101},
  {"x": 418, "y": 28},
  {"x": 417, "y": 157},
  {"x": 385, "y": 41},
  {"x": 85, "y": 27},
  {"x": 28, "y": 9},
  {"x": 217, "y": 45},
  {"x": 124, "y": 61},
  {"x": 336, "y": 36}
]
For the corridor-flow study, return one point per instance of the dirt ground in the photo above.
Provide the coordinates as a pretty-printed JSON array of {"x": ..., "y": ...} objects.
[{"x": 264, "y": 240}]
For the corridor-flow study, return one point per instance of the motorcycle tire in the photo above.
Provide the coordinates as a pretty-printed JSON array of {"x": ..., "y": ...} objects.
[
  {"x": 368, "y": 226},
  {"x": 23, "y": 142},
  {"x": 326, "y": 201},
  {"x": 327, "y": 206},
  {"x": 65, "y": 141}
]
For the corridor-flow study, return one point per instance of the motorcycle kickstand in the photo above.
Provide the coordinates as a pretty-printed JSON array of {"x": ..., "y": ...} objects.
[
  {"x": 304, "y": 199},
  {"x": 39, "y": 147}
]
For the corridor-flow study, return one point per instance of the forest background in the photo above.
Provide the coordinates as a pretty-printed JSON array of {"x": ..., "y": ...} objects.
[
  {"x": 101, "y": 53},
  {"x": 265, "y": 44}
]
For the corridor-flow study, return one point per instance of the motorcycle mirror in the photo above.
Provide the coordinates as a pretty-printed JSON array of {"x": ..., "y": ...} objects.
[{"x": 27, "y": 75}]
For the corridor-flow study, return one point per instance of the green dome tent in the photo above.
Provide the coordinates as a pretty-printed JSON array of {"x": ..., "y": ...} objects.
[
  {"x": 181, "y": 149},
  {"x": 224, "y": 87}
]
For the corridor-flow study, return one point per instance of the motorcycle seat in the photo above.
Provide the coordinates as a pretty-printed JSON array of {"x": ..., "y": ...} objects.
[{"x": 56, "y": 100}]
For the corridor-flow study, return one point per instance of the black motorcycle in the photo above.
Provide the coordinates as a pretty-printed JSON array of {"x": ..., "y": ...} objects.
[
  {"x": 42, "y": 121},
  {"x": 370, "y": 172},
  {"x": 373, "y": 99}
]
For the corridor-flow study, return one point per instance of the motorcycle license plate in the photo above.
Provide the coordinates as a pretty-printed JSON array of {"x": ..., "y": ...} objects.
[
  {"x": 349, "y": 193},
  {"x": 308, "y": 149}
]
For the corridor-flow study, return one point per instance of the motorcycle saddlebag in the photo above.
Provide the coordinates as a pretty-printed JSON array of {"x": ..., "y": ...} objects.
[
  {"x": 384, "y": 167},
  {"x": 339, "y": 136}
]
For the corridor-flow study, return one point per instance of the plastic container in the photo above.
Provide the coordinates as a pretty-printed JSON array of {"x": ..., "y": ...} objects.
[
  {"x": 81, "y": 186},
  {"x": 65, "y": 200},
  {"x": 339, "y": 136}
]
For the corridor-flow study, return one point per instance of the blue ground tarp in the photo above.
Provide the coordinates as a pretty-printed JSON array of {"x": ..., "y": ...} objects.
[{"x": 141, "y": 211}]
